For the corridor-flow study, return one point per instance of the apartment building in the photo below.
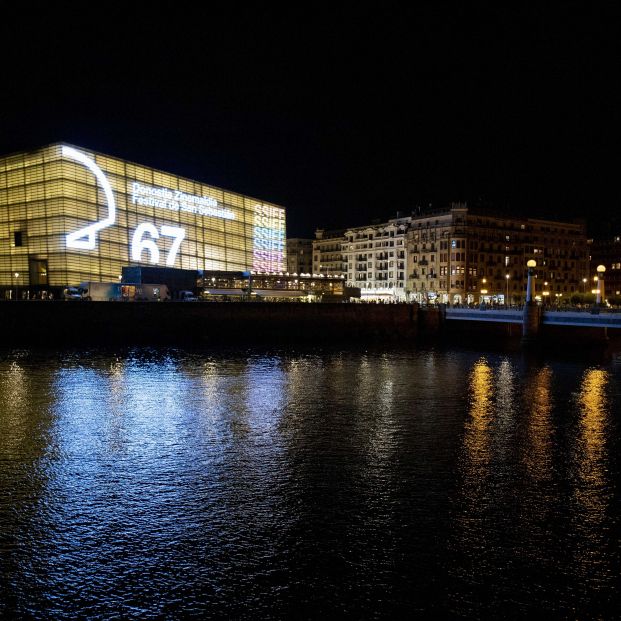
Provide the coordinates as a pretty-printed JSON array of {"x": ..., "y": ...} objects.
[
  {"x": 299, "y": 255},
  {"x": 376, "y": 260},
  {"x": 328, "y": 253},
  {"x": 607, "y": 252},
  {"x": 461, "y": 255}
]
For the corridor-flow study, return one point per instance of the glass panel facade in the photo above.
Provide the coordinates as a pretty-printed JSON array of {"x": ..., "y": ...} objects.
[{"x": 84, "y": 215}]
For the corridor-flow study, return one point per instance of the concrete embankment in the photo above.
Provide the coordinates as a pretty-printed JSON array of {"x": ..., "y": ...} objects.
[{"x": 91, "y": 323}]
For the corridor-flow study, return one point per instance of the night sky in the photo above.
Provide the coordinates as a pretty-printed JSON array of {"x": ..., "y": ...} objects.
[{"x": 343, "y": 115}]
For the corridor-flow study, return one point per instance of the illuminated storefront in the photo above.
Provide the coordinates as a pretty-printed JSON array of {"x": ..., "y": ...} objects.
[
  {"x": 275, "y": 287},
  {"x": 69, "y": 215}
]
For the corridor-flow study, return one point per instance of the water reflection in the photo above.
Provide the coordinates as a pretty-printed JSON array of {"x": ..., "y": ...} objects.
[
  {"x": 505, "y": 396},
  {"x": 469, "y": 533},
  {"x": 13, "y": 393},
  {"x": 495, "y": 518},
  {"x": 477, "y": 428},
  {"x": 593, "y": 490},
  {"x": 153, "y": 483},
  {"x": 593, "y": 420},
  {"x": 539, "y": 405},
  {"x": 27, "y": 453}
]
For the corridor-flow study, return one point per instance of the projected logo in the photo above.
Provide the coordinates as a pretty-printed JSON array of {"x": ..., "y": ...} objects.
[
  {"x": 269, "y": 239},
  {"x": 268, "y": 249},
  {"x": 86, "y": 238},
  {"x": 144, "y": 240}
]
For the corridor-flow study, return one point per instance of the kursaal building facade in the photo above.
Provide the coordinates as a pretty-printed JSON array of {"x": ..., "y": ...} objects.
[{"x": 69, "y": 215}]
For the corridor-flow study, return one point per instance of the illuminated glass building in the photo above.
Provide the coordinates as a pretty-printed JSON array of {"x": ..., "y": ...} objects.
[{"x": 69, "y": 215}]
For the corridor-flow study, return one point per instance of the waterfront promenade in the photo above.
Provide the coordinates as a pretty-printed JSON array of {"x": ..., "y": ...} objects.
[{"x": 97, "y": 323}]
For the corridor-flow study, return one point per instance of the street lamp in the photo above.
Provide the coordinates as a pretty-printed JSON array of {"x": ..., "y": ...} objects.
[
  {"x": 529, "y": 285},
  {"x": 17, "y": 285},
  {"x": 584, "y": 282},
  {"x": 507, "y": 276},
  {"x": 600, "y": 283}
]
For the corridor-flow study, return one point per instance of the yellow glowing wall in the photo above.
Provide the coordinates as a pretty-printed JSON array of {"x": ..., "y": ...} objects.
[{"x": 45, "y": 195}]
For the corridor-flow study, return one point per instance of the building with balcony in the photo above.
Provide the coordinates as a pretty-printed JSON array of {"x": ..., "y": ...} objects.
[
  {"x": 606, "y": 252},
  {"x": 328, "y": 253},
  {"x": 299, "y": 255},
  {"x": 376, "y": 260},
  {"x": 461, "y": 256}
]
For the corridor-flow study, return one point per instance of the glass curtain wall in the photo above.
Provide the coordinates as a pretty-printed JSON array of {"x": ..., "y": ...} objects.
[{"x": 47, "y": 194}]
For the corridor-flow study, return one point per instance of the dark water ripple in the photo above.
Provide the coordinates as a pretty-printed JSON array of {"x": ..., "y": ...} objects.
[{"x": 270, "y": 484}]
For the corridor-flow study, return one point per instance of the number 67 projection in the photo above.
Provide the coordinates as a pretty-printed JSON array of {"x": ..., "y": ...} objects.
[{"x": 139, "y": 244}]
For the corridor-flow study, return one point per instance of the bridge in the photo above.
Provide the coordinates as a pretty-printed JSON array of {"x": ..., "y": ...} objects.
[{"x": 584, "y": 319}]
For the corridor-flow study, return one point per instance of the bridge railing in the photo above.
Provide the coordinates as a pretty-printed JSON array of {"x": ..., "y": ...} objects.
[
  {"x": 515, "y": 314},
  {"x": 546, "y": 309}
]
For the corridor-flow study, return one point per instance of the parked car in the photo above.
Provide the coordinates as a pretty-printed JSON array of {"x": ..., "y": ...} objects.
[{"x": 187, "y": 296}]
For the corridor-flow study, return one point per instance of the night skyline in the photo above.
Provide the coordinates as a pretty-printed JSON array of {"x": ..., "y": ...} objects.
[
  {"x": 342, "y": 118},
  {"x": 413, "y": 415}
]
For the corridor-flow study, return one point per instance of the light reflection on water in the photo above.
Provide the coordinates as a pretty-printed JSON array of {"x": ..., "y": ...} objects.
[
  {"x": 162, "y": 483},
  {"x": 593, "y": 487},
  {"x": 540, "y": 405}
]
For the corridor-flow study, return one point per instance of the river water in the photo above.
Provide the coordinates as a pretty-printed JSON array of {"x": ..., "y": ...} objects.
[{"x": 308, "y": 483}]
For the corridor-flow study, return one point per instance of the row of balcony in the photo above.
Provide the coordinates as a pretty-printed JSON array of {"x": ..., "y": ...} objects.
[
  {"x": 432, "y": 248},
  {"x": 425, "y": 276}
]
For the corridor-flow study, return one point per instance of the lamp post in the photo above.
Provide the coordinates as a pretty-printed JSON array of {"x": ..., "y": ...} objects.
[
  {"x": 507, "y": 276},
  {"x": 584, "y": 282},
  {"x": 531, "y": 319},
  {"x": 600, "y": 283},
  {"x": 17, "y": 285},
  {"x": 529, "y": 284}
]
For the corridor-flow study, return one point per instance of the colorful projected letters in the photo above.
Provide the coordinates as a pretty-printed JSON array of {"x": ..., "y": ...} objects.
[{"x": 269, "y": 239}]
